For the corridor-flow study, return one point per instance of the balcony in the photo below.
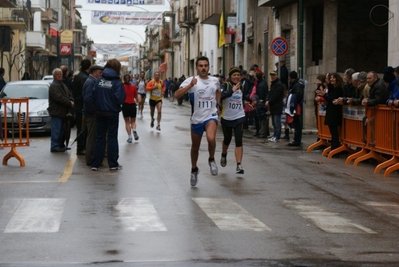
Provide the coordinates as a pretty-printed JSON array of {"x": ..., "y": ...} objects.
[
  {"x": 211, "y": 11},
  {"x": 50, "y": 16},
  {"x": 8, "y": 3},
  {"x": 37, "y": 5},
  {"x": 165, "y": 43},
  {"x": 35, "y": 40},
  {"x": 14, "y": 22}
]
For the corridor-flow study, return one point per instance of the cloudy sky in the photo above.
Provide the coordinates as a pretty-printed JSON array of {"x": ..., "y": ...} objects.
[{"x": 111, "y": 33}]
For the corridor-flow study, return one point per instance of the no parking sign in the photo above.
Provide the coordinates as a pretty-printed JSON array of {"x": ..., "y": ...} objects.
[{"x": 279, "y": 46}]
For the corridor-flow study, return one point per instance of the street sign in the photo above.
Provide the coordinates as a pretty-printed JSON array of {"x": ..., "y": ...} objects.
[
  {"x": 65, "y": 49},
  {"x": 279, "y": 46}
]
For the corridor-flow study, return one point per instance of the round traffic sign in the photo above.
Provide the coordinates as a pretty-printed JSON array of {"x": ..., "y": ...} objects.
[{"x": 279, "y": 46}]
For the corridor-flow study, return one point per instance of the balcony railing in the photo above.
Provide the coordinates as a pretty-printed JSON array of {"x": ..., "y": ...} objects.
[
  {"x": 35, "y": 39},
  {"x": 50, "y": 15},
  {"x": 165, "y": 44},
  {"x": 37, "y": 5},
  {"x": 8, "y": 3}
]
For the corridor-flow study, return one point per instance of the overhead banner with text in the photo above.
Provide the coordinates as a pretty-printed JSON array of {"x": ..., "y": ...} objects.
[
  {"x": 116, "y": 50},
  {"x": 126, "y": 18},
  {"x": 127, "y": 2}
]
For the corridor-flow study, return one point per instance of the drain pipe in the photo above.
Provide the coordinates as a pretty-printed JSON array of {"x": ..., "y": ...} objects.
[{"x": 300, "y": 39}]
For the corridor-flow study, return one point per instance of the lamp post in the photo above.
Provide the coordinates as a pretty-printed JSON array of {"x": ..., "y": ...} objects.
[
  {"x": 125, "y": 29},
  {"x": 135, "y": 42},
  {"x": 127, "y": 37}
]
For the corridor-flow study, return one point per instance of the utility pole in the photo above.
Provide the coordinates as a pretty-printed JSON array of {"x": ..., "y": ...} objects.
[
  {"x": 223, "y": 47},
  {"x": 188, "y": 37}
]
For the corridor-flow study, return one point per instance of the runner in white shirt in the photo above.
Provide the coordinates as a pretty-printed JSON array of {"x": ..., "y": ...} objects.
[
  {"x": 204, "y": 92},
  {"x": 141, "y": 84}
]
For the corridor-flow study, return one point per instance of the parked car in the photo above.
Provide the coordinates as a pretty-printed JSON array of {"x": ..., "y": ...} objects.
[
  {"x": 37, "y": 92},
  {"x": 48, "y": 78}
]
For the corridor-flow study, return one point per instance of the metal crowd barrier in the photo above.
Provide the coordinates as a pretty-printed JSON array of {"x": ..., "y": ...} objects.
[
  {"x": 366, "y": 133},
  {"x": 15, "y": 114}
]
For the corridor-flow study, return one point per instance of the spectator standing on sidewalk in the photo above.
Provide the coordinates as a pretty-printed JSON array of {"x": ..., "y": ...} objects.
[
  {"x": 89, "y": 112},
  {"x": 295, "y": 94},
  {"x": 77, "y": 87},
  {"x": 333, "y": 108},
  {"x": 108, "y": 95},
  {"x": 274, "y": 103}
]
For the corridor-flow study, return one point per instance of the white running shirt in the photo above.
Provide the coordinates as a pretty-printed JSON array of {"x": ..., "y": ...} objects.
[
  {"x": 233, "y": 107},
  {"x": 203, "y": 98},
  {"x": 141, "y": 87}
]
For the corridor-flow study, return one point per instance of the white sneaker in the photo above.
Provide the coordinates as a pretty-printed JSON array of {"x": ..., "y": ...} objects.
[
  {"x": 194, "y": 177},
  {"x": 239, "y": 169},
  {"x": 213, "y": 167}
]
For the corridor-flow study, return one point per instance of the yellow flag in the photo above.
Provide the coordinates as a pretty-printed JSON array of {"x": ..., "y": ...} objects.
[{"x": 222, "y": 41}]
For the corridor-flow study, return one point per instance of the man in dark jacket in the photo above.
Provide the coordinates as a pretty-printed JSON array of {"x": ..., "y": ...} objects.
[
  {"x": 283, "y": 72},
  {"x": 296, "y": 91},
  {"x": 108, "y": 95},
  {"x": 378, "y": 91},
  {"x": 262, "y": 91},
  {"x": 274, "y": 103},
  {"x": 77, "y": 87},
  {"x": 60, "y": 102},
  {"x": 89, "y": 111}
]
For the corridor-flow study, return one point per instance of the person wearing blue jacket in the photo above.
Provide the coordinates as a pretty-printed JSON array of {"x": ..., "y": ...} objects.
[
  {"x": 89, "y": 111},
  {"x": 108, "y": 97}
]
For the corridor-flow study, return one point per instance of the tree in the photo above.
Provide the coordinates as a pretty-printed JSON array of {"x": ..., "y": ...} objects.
[{"x": 13, "y": 57}]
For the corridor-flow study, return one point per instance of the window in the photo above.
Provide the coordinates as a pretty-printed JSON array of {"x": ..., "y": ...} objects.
[{"x": 317, "y": 33}]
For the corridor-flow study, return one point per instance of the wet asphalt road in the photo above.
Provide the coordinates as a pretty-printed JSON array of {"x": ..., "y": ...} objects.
[{"x": 290, "y": 208}]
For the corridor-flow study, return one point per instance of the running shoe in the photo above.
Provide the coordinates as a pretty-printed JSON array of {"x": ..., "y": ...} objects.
[
  {"x": 223, "y": 161},
  {"x": 239, "y": 169},
  {"x": 152, "y": 123},
  {"x": 159, "y": 127},
  {"x": 194, "y": 177},
  {"x": 119, "y": 167},
  {"x": 136, "y": 137},
  {"x": 129, "y": 140},
  {"x": 274, "y": 140},
  {"x": 213, "y": 167},
  {"x": 94, "y": 169}
]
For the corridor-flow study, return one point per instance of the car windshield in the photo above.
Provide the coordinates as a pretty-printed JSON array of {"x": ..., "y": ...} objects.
[{"x": 33, "y": 91}]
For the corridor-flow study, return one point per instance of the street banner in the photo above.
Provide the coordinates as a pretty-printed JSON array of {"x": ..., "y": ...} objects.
[
  {"x": 126, "y": 18},
  {"x": 231, "y": 25},
  {"x": 222, "y": 40},
  {"x": 127, "y": 2},
  {"x": 354, "y": 113},
  {"x": 117, "y": 50}
]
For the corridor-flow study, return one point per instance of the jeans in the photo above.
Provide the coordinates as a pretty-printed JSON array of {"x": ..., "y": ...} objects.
[
  {"x": 276, "y": 121},
  {"x": 57, "y": 132},
  {"x": 107, "y": 131}
]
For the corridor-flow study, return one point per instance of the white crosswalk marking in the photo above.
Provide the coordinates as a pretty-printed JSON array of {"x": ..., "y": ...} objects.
[
  {"x": 389, "y": 208},
  {"x": 229, "y": 216},
  {"x": 40, "y": 215},
  {"x": 327, "y": 221},
  {"x": 138, "y": 214}
]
